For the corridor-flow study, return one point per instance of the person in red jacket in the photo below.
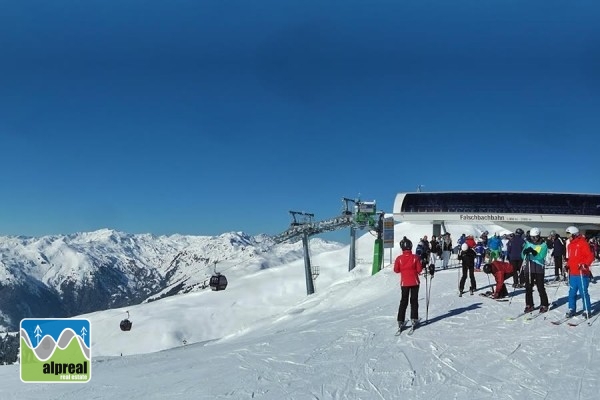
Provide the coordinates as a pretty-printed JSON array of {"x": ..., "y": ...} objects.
[
  {"x": 409, "y": 266},
  {"x": 502, "y": 271},
  {"x": 580, "y": 259}
]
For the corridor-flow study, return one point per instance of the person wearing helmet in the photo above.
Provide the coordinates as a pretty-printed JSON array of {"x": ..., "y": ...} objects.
[
  {"x": 580, "y": 259},
  {"x": 467, "y": 257},
  {"x": 409, "y": 266},
  {"x": 405, "y": 244},
  {"x": 515, "y": 258},
  {"x": 534, "y": 252},
  {"x": 558, "y": 253},
  {"x": 502, "y": 271}
]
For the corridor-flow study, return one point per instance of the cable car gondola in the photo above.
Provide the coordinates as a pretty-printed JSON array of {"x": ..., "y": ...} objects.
[
  {"x": 218, "y": 282},
  {"x": 126, "y": 324}
]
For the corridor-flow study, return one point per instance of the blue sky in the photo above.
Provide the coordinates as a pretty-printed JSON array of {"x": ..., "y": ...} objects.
[{"x": 207, "y": 117}]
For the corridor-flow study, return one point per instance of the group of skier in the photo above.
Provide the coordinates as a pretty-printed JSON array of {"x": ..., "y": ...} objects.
[{"x": 526, "y": 265}]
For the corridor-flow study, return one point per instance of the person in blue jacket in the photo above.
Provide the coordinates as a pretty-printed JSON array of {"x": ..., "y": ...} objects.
[
  {"x": 534, "y": 252},
  {"x": 479, "y": 255},
  {"x": 495, "y": 246}
]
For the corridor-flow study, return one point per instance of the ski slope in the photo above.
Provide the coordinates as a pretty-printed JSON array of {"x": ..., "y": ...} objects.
[{"x": 263, "y": 338}]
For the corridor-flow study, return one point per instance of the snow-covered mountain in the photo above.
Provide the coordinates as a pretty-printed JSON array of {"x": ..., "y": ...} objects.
[{"x": 66, "y": 275}]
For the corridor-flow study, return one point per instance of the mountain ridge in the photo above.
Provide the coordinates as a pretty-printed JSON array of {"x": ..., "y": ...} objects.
[{"x": 66, "y": 275}]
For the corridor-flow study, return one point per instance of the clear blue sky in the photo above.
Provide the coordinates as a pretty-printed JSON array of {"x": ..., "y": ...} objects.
[{"x": 203, "y": 117}]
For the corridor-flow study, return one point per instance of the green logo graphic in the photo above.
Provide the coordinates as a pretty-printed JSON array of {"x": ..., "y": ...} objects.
[{"x": 56, "y": 350}]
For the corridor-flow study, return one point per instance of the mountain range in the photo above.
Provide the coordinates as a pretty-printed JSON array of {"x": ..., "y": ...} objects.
[{"x": 65, "y": 275}]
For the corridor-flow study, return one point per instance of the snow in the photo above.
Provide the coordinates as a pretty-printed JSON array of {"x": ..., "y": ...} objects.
[{"x": 264, "y": 338}]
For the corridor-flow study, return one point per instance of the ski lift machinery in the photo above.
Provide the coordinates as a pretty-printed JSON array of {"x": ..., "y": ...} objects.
[{"x": 218, "y": 281}]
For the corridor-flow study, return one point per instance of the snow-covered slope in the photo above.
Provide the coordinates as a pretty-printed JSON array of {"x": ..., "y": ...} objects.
[{"x": 263, "y": 338}]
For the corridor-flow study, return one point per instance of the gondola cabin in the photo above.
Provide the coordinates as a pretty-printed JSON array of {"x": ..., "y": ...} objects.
[
  {"x": 218, "y": 282},
  {"x": 126, "y": 324}
]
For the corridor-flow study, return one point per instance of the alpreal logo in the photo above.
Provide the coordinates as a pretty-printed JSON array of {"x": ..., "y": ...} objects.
[{"x": 56, "y": 350}]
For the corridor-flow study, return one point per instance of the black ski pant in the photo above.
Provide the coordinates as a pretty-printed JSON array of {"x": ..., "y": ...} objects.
[
  {"x": 538, "y": 281},
  {"x": 558, "y": 269},
  {"x": 413, "y": 292},
  {"x": 516, "y": 264},
  {"x": 471, "y": 271}
]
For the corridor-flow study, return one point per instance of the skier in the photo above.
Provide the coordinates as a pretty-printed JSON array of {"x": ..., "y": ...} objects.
[
  {"x": 467, "y": 256},
  {"x": 558, "y": 252},
  {"x": 515, "y": 247},
  {"x": 409, "y": 266},
  {"x": 435, "y": 250},
  {"x": 423, "y": 250},
  {"x": 580, "y": 259},
  {"x": 502, "y": 271},
  {"x": 495, "y": 246},
  {"x": 446, "y": 249},
  {"x": 479, "y": 255},
  {"x": 535, "y": 251}
]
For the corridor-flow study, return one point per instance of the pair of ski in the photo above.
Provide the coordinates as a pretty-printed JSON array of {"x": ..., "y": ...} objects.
[
  {"x": 489, "y": 296},
  {"x": 530, "y": 316},
  {"x": 411, "y": 329},
  {"x": 570, "y": 322}
]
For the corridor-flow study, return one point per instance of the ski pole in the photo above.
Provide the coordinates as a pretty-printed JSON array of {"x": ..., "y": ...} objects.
[
  {"x": 426, "y": 297},
  {"x": 554, "y": 297},
  {"x": 428, "y": 292},
  {"x": 458, "y": 279}
]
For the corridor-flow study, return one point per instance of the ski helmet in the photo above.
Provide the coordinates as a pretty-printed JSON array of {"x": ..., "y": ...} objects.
[
  {"x": 552, "y": 233},
  {"x": 464, "y": 247},
  {"x": 534, "y": 232},
  {"x": 405, "y": 244},
  {"x": 572, "y": 230},
  {"x": 519, "y": 231},
  {"x": 487, "y": 268}
]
